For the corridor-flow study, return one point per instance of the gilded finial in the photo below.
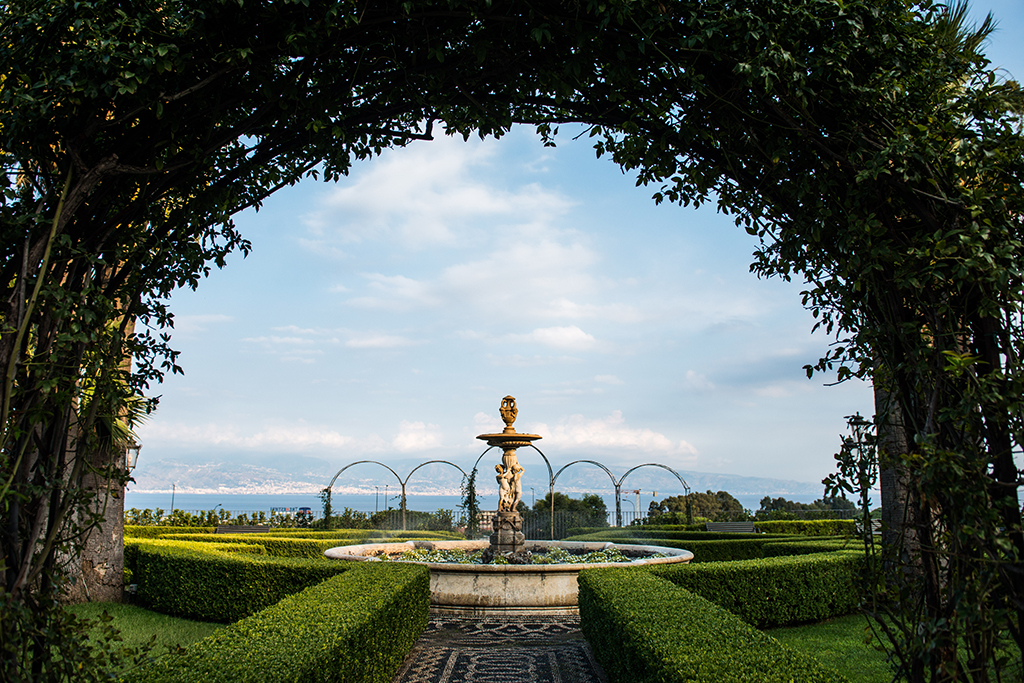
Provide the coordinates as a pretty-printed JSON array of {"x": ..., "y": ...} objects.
[{"x": 508, "y": 413}]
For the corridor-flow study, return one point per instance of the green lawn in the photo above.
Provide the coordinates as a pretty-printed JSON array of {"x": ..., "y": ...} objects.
[
  {"x": 839, "y": 643},
  {"x": 138, "y": 626}
]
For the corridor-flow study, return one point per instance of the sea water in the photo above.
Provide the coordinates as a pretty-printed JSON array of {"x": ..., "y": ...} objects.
[{"x": 257, "y": 502}]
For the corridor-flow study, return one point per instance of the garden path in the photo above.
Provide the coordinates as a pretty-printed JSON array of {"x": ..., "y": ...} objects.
[{"x": 527, "y": 649}]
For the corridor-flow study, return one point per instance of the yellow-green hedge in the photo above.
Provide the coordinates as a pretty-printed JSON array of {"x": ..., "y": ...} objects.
[
  {"x": 136, "y": 531},
  {"x": 277, "y": 546}
]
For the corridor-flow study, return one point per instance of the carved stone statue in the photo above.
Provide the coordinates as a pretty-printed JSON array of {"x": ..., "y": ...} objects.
[
  {"x": 517, "y": 486},
  {"x": 504, "y": 488}
]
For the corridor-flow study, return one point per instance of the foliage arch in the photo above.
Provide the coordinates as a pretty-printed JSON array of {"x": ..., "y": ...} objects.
[{"x": 863, "y": 143}]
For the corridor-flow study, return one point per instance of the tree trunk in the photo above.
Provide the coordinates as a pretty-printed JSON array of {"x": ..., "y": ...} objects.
[{"x": 897, "y": 527}]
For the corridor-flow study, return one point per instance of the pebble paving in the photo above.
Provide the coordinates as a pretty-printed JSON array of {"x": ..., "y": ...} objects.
[{"x": 527, "y": 649}]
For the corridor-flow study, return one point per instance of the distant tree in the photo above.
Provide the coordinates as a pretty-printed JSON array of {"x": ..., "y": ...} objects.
[
  {"x": 590, "y": 503},
  {"x": 470, "y": 506},
  {"x": 835, "y": 503},
  {"x": 713, "y": 506}
]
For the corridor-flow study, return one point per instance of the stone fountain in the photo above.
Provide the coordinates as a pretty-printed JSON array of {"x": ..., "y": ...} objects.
[
  {"x": 515, "y": 587},
  {"x": 508, "y": 540}
]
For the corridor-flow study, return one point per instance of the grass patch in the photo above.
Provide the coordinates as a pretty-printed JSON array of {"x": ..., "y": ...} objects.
[
  {"x": 138, "y": 625},
  {"x": 839, "y": 644}
]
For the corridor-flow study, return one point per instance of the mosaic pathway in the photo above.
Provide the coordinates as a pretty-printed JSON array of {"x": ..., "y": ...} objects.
[{"x": 530, "y": 649}]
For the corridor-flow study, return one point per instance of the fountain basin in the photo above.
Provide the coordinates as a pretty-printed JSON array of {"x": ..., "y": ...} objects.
[{"x": 481, "y": 589}]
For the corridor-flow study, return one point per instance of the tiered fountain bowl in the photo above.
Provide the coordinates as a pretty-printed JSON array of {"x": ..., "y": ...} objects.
[{"x": 519, "y": 587}]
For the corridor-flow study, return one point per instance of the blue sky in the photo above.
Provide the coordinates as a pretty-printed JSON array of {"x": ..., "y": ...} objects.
[{"x": 384, "y": 317}]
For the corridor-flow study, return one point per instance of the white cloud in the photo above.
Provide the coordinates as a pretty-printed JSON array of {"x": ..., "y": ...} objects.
[
  {"x": 193, "y": 324},
  {"x": 570, "y": 338},
  {"x": 277, "y": 341},
  {"x": 698, "y": 381},
  {"x": 301, "y": 355},
  {"x": 783, "y": 389},
  {"x": 380, "y": 341},
  {"x": 608, "y": 379},
  {"x": 295, "y": 329},
  {"x": 487, "y": 424},
  {"x": 564, "y": 308},
  {"x": 426, "y": 194},
  {"x": 517, "y": 361},
  {"x": 298, "y": 436},
  {"x": 416, "y": 436},
  {"x": 611, "y": 432},
  {"x": 396, "y": 293},
  {"x": 535, "y": 278}
]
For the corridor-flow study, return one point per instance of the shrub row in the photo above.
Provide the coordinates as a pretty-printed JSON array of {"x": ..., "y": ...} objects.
[
  {"x": 201, "y": 581},
  {"x": 809, "y": 527},
  {"x": 644, "y": 629},
  {"x": 311, "y": 544},
  {"x": 735, "y": 547},
  {"x": 776, "y": 591},
  {"x": 136, "y": 531},
  {"x": 639, "y": 534},
  {"x": 371, "y": 534},
  {"x": 277, "y": 546},
  {"x": 318, "y": 533},
  {"x": 415, "y": 536},
  {"x": 356, "y": 628},
  {"x": 726, "y": 547},
  {"x": 814, "y": 527}
]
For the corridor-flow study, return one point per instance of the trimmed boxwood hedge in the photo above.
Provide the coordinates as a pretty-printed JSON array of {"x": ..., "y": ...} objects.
[
  {"x": 777, "y": 591},
  {"x": 136, "y": 531},
  {"x": 371, "y": 535},
  {"x": 809, "y": 527},
  {"x": 644, "y": 629},
  {"x": 277, "y": 546},
  {"x": 311, "y": 543},
  {"x": 200, "y": 581},
  {"x": 356, "y": 628},
  {"x": 726, "y": 547},
  {"x": 638, "y": 534}
]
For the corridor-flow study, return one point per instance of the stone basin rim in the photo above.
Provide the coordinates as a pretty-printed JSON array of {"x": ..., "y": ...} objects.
[{"x": 363, "y": 553}]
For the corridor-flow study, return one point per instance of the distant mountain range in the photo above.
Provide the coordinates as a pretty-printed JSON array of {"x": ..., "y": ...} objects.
[{"x": 310, "y": 475}]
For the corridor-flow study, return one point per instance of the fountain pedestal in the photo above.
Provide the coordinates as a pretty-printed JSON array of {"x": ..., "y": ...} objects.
[{"x": 508, "y": 534}]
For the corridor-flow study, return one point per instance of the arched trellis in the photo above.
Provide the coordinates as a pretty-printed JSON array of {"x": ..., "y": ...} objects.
[
  {"x": 686, "y": 489},
  {"x": 552, "y": 478},
  {"x": 617, "y": 485},
  {"x": 401, "y": 482}
]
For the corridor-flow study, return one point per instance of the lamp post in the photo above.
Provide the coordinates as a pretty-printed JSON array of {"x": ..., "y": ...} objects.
[
  {"x": 131, "y": 455},
  {"x": 533, "y": 495},
  {"x": 376, "y": 500},
  {"x": 860, "y": 459}
]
